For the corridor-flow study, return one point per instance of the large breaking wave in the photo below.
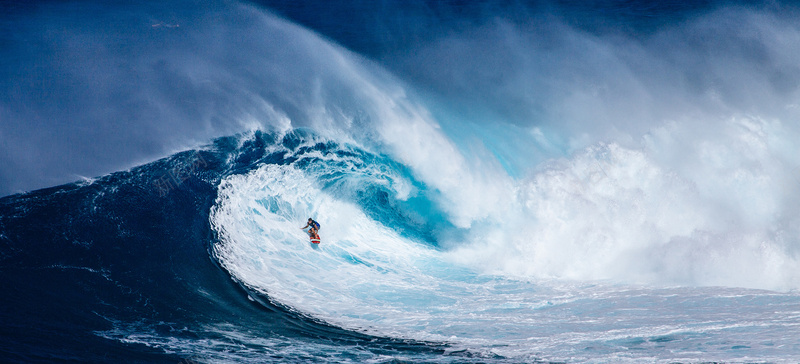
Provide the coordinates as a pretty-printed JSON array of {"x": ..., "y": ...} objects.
[
  {"x": 394, "y": 263},
  {"x": 510, "y": 190}
]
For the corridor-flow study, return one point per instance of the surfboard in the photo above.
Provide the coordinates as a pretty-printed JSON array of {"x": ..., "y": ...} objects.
[{"x": 316, "y": 241}]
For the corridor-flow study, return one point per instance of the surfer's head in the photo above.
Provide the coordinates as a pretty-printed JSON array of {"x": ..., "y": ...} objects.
[{"x": 310, "y": 219}]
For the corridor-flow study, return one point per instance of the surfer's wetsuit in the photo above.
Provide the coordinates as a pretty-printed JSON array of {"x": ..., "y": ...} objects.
[
  {"x": 313, "y": 224},
  {"x": 314, "y": 227}
]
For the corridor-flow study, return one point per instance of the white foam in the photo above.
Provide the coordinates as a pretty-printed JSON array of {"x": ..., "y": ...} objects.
[
  {"x": 366, "y": 277},
  {"x": 259, "y": 218},
  {"x": 688, "y": 208}
]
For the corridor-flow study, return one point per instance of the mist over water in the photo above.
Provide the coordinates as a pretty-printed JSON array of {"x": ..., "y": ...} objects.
[
  {"x": 89, "y": 88},
  {"x": 665, "y": 157}
]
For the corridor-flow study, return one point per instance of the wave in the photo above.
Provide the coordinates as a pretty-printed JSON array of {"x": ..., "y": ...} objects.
[
  {"x": 596, "y": 227},
  {"x": 502, "y": 191},
  {"x": 121, "y": 267},
  {"x": 199, "y": 255}
]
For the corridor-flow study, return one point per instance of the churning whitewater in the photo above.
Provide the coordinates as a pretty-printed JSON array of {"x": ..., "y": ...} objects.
[
  {"x": 387, "y": 270},
  {"x": 501, "y": 183}
]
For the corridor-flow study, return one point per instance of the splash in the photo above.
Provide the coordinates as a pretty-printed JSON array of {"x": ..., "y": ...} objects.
[{"x": 722, "y": 214}]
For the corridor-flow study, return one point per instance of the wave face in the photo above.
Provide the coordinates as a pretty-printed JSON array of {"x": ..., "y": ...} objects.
[
  {"x": 199, "y": 257},
  {"x": 518, "y": 186},
  {"x": 122, "y": 268}
]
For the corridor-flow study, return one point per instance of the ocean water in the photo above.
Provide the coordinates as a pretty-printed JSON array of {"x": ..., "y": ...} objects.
[{"x": 496, "y": 182}]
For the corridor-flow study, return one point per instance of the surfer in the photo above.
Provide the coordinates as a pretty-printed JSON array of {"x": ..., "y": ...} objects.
[{"x": 314, "y": 227}]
